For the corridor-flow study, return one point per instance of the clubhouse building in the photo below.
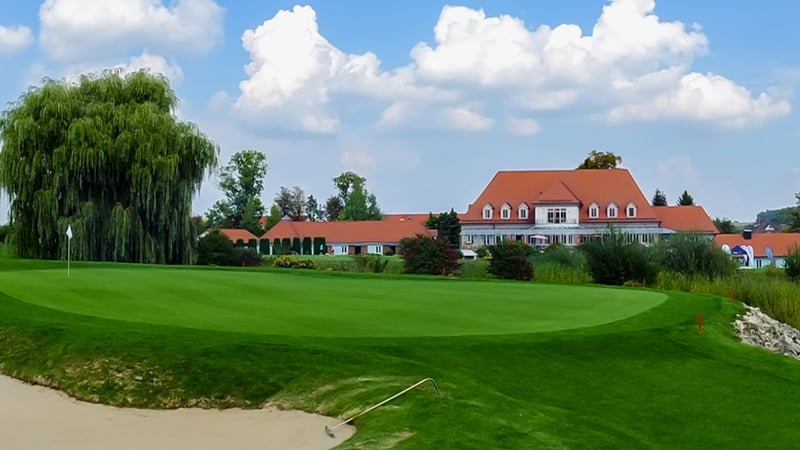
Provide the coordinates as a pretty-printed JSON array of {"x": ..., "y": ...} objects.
[{"x": 543, "y": 207}]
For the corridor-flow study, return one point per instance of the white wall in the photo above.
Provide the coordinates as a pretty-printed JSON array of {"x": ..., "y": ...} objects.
[{"x": 540, "y": 214}]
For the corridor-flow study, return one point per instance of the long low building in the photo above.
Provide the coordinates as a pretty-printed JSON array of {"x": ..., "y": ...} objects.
[
  {"x": 756, "y": 250},
  {"x": 350, "y": 237}
]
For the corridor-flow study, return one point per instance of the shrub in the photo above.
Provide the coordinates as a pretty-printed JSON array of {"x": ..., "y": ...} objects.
[
  {"x": 252, "y": 244},
  {"x": 240, "y": 243},
  {"x": 307, "y": 246},
  {"x": 292, "y": 262},
  {"x": 510, "y": 261},
  {"x": 296, "y": 245},
  {"x": 555, "y": 273},
  {"x": 320, "y": 247},
  {"x": 482, "y": 252},
  {"x": 614, "y": 259},
  {"x": 791, "y": 263},
  {"x": 286, "y": 246},
  {"x": 263, "y": 247},
  {"x": 247, "y": 257},
  {"x": 389, "y": 251},
  {"x": 693, "y": 254},
  {"x": 276, "y": 247},
  {"x": 475, "y": 269},
  {"x": 215, "y": 248},
  {"x": 426, "y": 255}
]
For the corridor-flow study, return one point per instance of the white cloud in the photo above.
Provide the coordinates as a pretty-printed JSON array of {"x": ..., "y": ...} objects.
[
  {"x": 422, "y": 115},
  {"x": 146, "y": 61},
  {"x": 522, "y": 126},
  {"x": 14, "y": 39},
  {"x": 632, "y": 67},
  {"x": 706, "y": 97},
  {"x": 357, "y": 161},
  {"x": 155, "y": 64},
  {"x": 294, "y": 72},
  {"x": 77, "y": 30}
]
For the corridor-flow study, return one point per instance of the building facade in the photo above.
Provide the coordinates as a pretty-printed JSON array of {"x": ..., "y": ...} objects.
[{"x": 543, "y": 207}]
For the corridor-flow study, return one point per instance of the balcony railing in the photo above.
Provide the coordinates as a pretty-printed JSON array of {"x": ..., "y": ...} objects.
[{"x": 560, "y": 222}]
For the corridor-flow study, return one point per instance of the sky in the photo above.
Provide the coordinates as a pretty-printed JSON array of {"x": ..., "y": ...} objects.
[{"x": 428, "y": 100}]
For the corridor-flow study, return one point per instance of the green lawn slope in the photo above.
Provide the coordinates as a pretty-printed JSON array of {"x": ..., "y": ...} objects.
[{"x": 519, "y": 365}]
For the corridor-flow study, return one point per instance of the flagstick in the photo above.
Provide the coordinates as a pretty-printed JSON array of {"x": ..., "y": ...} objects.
[{"x": 69, "y": 241}]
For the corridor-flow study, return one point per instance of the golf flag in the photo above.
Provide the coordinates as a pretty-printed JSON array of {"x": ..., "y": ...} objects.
[{"x": 69, "y": 231}]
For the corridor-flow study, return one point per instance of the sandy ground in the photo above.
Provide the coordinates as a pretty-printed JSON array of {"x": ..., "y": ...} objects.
[{"x": 34, "y": 417}]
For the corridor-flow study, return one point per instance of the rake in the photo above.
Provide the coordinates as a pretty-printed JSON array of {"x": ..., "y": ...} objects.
[{"x": 330, "y": 431}]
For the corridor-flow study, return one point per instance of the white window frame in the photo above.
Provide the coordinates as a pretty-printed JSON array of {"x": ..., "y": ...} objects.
[
  {"x": 631, "y": 207},
  {"x": 594, "y": 211},
  {"x": 557, "y": 215},
  {"x": 505, "y": 212},
  {"x": 612, "y": 208},
  {"x": 522, "y": 213},
  {"x": 488, "y": 212}
]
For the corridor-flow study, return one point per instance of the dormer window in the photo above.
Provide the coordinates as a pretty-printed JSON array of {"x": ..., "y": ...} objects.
[
  {"x": 611, "y": 211},
  {"x": 487, "y": 212},
  {"x": 630, "y": 210},
  {"x": 523, "y": 211},
  {"x": 505, "y": 211},
  {"x": 594, "y": 211}
]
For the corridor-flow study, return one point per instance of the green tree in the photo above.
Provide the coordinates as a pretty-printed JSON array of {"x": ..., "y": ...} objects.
[
  {"x": 107, "y": 156},
  {"x": 274, "y": 217},
  {"x": 685, "y": 199},
  {"x": 448, "y": 225},
  {"x": 794, "y": 224},
  {"x": 242, "y": 181},
  {"x": 314, "y": 211},
  {"x": 510, "y": 261},
  {"x": 659, "y": 199},
  {"x": 216, "y": 248},
  {"x": 291, "y": 202},
  {"x": 615, "y": 258},
  {"x": 724, "y": 225},
  {"x": 333, "y": 208},
  {"x": 426, "y": 255},
  {"x": 600, "y": 160},
  {"x": 358, "y": 203},
  {"x": 251, "y": 216}
]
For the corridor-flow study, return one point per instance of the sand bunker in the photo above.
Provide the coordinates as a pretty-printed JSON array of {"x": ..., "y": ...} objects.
[{"x": 34, "y": 417}]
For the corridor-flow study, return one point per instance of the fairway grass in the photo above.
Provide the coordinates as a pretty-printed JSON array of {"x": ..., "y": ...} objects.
[
  {"x": 636, "y": 378},
  {"x": 320, "y": 304}
]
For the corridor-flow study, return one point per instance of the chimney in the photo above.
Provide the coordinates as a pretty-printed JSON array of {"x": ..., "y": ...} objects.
[{"x": 747, "y": 234}]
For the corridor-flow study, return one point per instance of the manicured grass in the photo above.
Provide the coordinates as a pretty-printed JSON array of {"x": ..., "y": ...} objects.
[
  {"x": 648, "y": 380},
  {"x": 301, "y": 304}
]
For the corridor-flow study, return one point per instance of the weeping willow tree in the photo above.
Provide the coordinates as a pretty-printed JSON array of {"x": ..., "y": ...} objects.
[{"x": 107, "y": 156}]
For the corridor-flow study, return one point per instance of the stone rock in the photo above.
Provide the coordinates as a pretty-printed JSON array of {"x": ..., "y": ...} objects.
[{"x": 757, "y": 328}]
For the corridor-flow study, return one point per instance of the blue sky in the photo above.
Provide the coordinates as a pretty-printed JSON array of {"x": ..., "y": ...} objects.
[{"x": 429, "y": 99}]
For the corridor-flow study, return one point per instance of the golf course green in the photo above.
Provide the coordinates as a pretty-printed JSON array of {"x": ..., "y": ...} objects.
[
  {"x": 520, "y": 365},
  {"x": 294, "y": 304}
]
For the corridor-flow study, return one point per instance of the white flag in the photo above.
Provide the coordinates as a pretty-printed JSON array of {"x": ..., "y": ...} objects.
[{"x": 69, "y": 232}]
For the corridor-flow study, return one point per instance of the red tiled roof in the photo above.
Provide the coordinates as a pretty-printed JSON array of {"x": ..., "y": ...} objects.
[
  {"x": 780, "y": 242},
  {"x": 585, "y": 186},
  {"x": 557, "y": 192},
  {"x": 347, "y": 232},
  {"x": 414, "y": 217},
  {"x": 685, "y": 218},
  {"x": 235, "y": 234}
]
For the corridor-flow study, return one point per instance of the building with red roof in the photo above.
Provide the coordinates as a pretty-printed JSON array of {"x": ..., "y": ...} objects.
[
  {"x": 351, "y": 237},
  {"x": 543, "y": 207},
  {"x": 239, "y": 234},
  {"x": 765, "y": 248}
]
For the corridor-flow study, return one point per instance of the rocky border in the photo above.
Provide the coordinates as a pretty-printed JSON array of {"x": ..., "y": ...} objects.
[{"x": 759, "y": 329}]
